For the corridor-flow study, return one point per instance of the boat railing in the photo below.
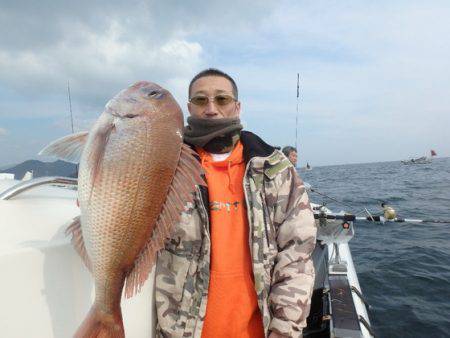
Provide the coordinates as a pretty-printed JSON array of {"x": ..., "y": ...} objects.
[{"x": 36, "y": 182}]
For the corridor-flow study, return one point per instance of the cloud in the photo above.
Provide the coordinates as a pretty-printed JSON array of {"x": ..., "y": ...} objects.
[
  {"x": 3, "y": 132},
  {"x": 99, "y": 66},
  {"x": 374, "y": 78},
  {"x": 103, "y": 46},
  {"x": 99, "y": 47},
  {"x": 373, "y": 72}
]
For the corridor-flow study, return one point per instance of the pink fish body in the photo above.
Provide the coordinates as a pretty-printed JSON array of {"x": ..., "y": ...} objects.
[{"x": 135, "y": 178}]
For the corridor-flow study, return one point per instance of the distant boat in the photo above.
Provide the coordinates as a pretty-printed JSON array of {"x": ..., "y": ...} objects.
[
  {"x": 6, "y": 176},
  {"x": 421, "y": 160},
  {"x": 308, "y": 167},
  {"x": 28, "y": 175}
]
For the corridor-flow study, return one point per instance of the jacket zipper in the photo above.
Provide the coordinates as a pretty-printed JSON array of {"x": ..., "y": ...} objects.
[
  {"x": 246, "y": 185},
  {"x": 205, "y": 211}
]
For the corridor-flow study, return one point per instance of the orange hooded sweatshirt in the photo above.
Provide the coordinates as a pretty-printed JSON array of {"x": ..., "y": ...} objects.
[{"x": 232, "y": 308}]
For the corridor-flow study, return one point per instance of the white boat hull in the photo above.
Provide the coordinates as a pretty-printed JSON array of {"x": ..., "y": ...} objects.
[{"x": 46, "y": 289}]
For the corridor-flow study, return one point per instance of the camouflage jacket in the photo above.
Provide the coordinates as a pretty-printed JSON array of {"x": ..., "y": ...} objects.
[{"x": 281, "y": 238}]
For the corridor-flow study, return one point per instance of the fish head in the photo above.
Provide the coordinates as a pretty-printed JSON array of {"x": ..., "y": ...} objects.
[{"x": 144, "y": 100}]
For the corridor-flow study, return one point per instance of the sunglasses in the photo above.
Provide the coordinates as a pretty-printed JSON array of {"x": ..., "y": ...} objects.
[{"x": 220, "y": 100}]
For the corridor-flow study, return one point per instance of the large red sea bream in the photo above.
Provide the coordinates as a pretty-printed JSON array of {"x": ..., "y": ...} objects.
[{"x": 135, "y": 178}]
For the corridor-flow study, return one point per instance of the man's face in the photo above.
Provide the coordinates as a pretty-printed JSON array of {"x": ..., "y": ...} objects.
[
  {"x": 293, "y": 157},
  {"x": 210, "y": 87}
]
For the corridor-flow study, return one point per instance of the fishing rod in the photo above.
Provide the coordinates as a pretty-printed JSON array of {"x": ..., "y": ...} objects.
[
  {"x": 71, "y": 116},
  {"x": 70, "y": 105},
  {"x": 351, "y": 218},
  {"x": 310, "y": 188},
  {"x": 389, "y": 213}
]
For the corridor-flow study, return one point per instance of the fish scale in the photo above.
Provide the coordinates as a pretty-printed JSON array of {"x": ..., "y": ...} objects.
[
  {"x": 131, "y": 157},
  {"x": 126, "y": 224}
]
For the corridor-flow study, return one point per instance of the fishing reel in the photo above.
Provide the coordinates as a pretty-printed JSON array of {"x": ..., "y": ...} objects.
[
  {"x": 389, "y": 212},
  {"x": 332, "y": 227}
]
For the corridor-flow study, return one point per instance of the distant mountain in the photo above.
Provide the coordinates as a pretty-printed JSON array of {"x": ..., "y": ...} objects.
[{"x": 57, "y": 168}]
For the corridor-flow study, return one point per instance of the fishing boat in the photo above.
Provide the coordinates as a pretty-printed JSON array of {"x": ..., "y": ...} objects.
[
  {"x": 28, "y": 175},
  {"x": 421, "y": 160},
  {"x": 48, "y": 290},
  {"x": 307, "y": 167},
  {"x": 6, "y": 176}
]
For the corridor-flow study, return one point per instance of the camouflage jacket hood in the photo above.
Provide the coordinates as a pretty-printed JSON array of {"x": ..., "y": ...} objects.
[{"x": 281, "y": 238}]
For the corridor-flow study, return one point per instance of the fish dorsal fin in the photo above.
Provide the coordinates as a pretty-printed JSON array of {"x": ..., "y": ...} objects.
[
  {"x": 74, "y": 229},
  {"x": 68, "y": 148},
  {"x": 187, "y": 175}
]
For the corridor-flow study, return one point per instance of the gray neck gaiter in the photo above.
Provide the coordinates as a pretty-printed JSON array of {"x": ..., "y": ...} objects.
[{"x": 201, "y": 132}]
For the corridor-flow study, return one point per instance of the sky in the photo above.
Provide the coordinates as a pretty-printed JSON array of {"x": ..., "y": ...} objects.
[{"x": 374, "y": 75}]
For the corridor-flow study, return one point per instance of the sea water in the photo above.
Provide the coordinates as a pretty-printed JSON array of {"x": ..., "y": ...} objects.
[{"x": 403, "y": 268}]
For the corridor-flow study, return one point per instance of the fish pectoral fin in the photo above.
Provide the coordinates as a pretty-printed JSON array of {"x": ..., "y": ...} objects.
[
  {"x": 74, "y": 229},
  {"x": 97, "y": 150},
  {"x": 68, "y": 148},
  {"x": 181, "y": 191}
]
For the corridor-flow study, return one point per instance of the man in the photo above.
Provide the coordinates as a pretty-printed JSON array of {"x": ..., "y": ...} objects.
[
  {"x": 291, "y": 154},
  {"x": 238, "y": 264}
]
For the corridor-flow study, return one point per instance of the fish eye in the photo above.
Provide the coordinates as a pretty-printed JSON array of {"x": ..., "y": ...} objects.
[
  {"x": 155, "y": 94},
  {"x": 130, "y": 116}
]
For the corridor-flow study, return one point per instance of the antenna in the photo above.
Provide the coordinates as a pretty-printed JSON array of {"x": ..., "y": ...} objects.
[
  {"x": 71, "y": 117},
  {"x": 296, "y": 116},
  {"x": 70, "y": 105}
]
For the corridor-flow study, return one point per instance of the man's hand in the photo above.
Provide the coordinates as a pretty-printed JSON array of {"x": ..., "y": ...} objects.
[{"x": 276, "y": 335}]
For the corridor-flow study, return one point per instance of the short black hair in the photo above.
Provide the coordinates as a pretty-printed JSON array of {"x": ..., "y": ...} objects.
[
  {"x": 214, "y": 72},
  {"x": 288, "y": 149}
]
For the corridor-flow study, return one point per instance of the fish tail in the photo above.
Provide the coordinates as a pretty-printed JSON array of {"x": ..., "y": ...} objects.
[{"x": 99, "y": 324}]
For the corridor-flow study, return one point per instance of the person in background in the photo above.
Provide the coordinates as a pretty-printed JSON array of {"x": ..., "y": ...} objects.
[
  {"x": 291, "y": 154},
  {"x": 239, "y": 263}
]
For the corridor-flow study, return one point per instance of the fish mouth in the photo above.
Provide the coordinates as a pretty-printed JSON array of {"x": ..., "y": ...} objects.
[
  {"x": 117, "y": 107},
  {"x": 120, "y": 113},
  {"x": 124, "y": 116}
]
